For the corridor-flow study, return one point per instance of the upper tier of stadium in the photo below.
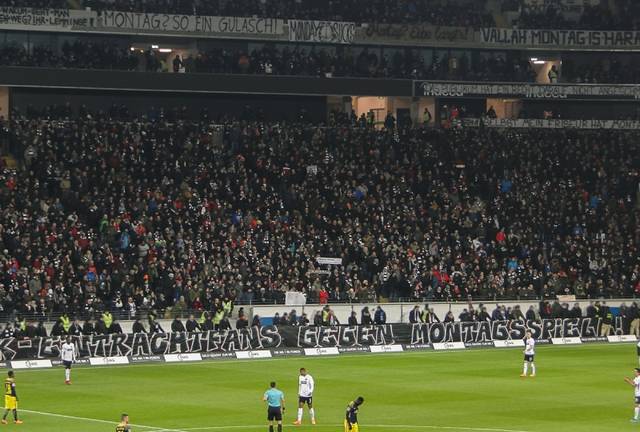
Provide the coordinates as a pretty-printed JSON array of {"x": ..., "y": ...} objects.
[{"x": 556, "y": 14}]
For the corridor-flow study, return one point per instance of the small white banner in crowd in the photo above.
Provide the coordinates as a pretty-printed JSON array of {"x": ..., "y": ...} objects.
[
  {"x": 386, "y": 348},
  {"x": 295, "y": 298},
  {"x": 31, "y": 364},
  {"x": 321, "y": 351},
  {"x": 508, "y": 343},
  {"x": 104, "y": 361},
  {"x": 248, "y": 355},
  {"x": 448, "y": 346},
  {"x": 622, "y": 338},
  {"x": 329, "y": 261},
  {"x": 186, "y": 357},
  {"x": 566, "y": 341}
]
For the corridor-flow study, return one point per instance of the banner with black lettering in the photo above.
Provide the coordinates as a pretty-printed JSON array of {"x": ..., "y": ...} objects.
[
  {"x": 528, "y": 91},
  {"x": 185, "y": 24},
  {"x": 414, "y": 34},
  {"x": 17, "y": 18},
  {"x": 552, "y": 124},
  {"x": 333, "y": 32},
  {"x": 295, "y": 340},
  {"x": 560, "y": 39}
]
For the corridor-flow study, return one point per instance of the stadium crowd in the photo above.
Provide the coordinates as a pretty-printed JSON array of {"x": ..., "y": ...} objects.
[
  {"x": 318, "y": 62},
  {"x": 142, "y": 215},
  {"x": 464, "y": 13},
  {"x": 610, "y": 70},
  {"x": 551, "y": 14},
  {"x": 270, "y": 60}
]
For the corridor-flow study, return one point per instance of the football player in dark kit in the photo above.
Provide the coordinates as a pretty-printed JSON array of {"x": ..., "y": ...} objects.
[{"x": 351, "y": 418}]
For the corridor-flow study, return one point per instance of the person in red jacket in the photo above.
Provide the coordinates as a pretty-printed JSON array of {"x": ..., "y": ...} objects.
[{"x": 323, "y": 296}]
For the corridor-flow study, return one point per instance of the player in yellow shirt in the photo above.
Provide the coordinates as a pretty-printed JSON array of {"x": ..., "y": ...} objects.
[
  {"x": 351, "y": 419},
  {"x": 123, "y": 426},
  {"x": 10, "y": 398}
]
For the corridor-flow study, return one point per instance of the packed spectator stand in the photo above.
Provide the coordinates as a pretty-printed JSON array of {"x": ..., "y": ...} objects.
[
  {"x": 551, "y": 14},
  {"x": 316, "y": 62},
  {"x": 464, "y": 13},
  {"x": 111, "y": 212},
  {"x": 270, "y": 60}
]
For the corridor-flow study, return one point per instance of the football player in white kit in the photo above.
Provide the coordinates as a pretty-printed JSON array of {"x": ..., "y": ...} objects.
[
  {"x": 68, "y": 356},
  {"x": 635, "y": 382},
  {"x": 306, "y": 385},
  {"x": 529, "y": 354}
]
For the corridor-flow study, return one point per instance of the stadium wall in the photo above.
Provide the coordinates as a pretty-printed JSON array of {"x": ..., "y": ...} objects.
[
  {"x": 275, "y": 107},
  {"x": 200, "y": 83}
]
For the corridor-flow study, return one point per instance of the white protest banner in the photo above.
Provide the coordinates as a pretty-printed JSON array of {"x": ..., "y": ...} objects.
[
  {"x": 583, "y": 39},
  {"x": 553, "y": 124},
  {"x": 16, "y": 18},
  {"x": 335, "y": 32},
  {"x": 180, "y": 24}
]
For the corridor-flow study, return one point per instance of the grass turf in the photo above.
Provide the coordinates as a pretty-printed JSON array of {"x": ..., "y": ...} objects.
[{"x": 577, "y": 389}]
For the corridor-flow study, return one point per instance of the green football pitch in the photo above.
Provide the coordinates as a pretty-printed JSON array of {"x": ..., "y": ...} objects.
[{"x": 577, "y": 389}]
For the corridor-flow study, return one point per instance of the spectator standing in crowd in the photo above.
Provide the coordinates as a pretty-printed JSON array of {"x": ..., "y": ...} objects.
[
  {"x": 353, "y": 319},
  {"x": 242, "y": 322},
  {"x": 576, "y": 311},
  {"x": 414, "y": 315},
  {"x": 177, "y": 326},
  {"x": 256, "y": 321},
  {"x": 380, "y": 316},
  {"x": 154, "y": 326},
  {"x": 634, "y": 318},
  {"x": 115, "y": 328},
  {"x": 484, "y": 316},
  {"x": 138, "y": 327},
  {"x": 304, "y": 320},
  {"x": 365, "y": 317},
  {"x": 426, "y": 117},
  {"x": 87, "y": 328},
  {"x": 607, "y": 320},
  {"x": 177, "y": 64},
  {"x": 553, "y": 75},
  {"x": 75, "y": 329},
  {"x": 192, "y": 325}
]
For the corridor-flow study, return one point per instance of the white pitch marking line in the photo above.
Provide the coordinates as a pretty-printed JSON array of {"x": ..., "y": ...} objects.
[
  {"x": 159, "y": 429},
  {"x": 154, "y": 428},
  {"x": 454, "y": 428}
]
